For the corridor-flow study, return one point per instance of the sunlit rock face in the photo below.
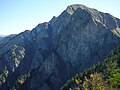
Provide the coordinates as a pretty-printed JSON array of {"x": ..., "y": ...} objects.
[{"x": 55, "y": 51}]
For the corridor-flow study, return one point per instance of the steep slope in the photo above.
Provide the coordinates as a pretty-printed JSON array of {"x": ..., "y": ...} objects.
[
  {"x": 55, "y": 51},
  {"x": 108, "y": 69}
]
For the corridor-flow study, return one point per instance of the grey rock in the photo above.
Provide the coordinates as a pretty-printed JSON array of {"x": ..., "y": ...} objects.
[{"x": 55, "y": 51}]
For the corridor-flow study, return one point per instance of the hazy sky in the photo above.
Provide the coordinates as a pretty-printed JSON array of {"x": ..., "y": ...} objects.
[{"x": 19, "y": 15}]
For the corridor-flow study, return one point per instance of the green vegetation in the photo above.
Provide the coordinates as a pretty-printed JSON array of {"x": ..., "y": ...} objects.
[
  {"x": 21, "y": 80},
  {"x": 102, "y": 76},
  {"x": 3, "y": 75}
]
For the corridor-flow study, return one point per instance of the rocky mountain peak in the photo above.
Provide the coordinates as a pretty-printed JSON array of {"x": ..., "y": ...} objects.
[
  {"x": 72, "y": 8},
  {"x": 54, "y": 51}
]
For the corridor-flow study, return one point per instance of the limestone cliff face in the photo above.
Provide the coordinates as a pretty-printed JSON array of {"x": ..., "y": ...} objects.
[{"x": 55, "y": 51}]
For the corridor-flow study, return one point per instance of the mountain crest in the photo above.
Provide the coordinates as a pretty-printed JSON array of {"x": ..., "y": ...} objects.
[{"x": 72, "y": 8}]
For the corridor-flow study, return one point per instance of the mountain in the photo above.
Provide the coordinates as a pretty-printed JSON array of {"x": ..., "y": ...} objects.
[
  {"x": 2, "y": 35},
  {"x": 52, "y": 52}
]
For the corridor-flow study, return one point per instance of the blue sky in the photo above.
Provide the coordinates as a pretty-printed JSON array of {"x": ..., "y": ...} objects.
[{"x": 19, "y": 15}]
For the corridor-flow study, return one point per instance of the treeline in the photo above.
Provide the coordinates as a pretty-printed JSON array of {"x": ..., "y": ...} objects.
[{"x": 102, "y": 76}]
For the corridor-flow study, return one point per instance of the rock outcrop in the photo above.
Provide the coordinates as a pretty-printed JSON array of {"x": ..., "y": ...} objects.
[{"x": 55, "y": 51}]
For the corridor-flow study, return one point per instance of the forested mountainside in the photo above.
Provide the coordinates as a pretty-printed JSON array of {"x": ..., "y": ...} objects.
[
  {"x": 104, "y": 75},
  {"x": 53, "y": 52}
]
